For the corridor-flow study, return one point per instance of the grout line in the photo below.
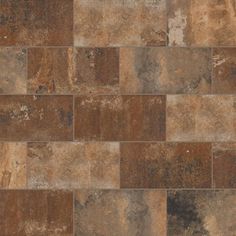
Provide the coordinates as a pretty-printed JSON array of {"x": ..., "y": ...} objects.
[
  {"x": 73, "y": 128},
  {"x": 73, "y": 213},
  {"x": 212, "y": 79},
  {"x": 212, "y": 168}
]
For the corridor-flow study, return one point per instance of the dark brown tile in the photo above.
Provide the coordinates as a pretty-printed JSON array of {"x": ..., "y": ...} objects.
[
  {"x": 36, "y": 118},
  {"x": 120, "y": 212},
  {"x": 33, "y": 22},
  {"x": 115, "y": 118}
]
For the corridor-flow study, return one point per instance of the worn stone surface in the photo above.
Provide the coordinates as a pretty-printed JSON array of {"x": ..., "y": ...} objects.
[
  {"x": 165, "y": 70},
  {"x": 36, "y": 118},
  {"x": 201, "y": 118},
  {"x": 115, "y": 118},
  {"x": 122, "y": 212},
  {"x": 206, "y": 212},
  {"x": 165, "y": 165},
  {"x": 73, "y": 165},
  {"x": 120, "y": 23},
  {"x": 32, "y": 22}
]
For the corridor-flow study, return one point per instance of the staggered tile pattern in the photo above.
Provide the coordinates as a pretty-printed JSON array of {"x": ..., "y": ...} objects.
[{"x": 117, "y": 117}]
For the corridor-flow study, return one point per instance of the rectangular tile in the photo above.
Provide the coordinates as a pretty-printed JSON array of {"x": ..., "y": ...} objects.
[
  {"x": 36, "y": 118},
  {"x": 121, "y": 212},
  {"x": 165, "y": 165},
  {"x": 116, "y": 118},
  {"x": 201, "y": 118}
]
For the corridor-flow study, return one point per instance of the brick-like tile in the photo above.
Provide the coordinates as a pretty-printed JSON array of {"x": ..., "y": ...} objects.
[
  {"x": 201, "y": 118},
  {"x": 115, "y": 118},
  {"x": 120, "y": 23},
  {"x": 73, "y": 165},
  {"x": 165, "y": 165},
  {"x": 27, "y": 212},
  {"x": 203, "y": 212},
  {"x": 36, "y": 118},
  {"x": 165, "y": 70},
  {"x": 34, "y": 22},
  {"x": 120, "y": 212}
]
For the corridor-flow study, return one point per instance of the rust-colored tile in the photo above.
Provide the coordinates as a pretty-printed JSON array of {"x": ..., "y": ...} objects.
[
  {"x": 202, "y": 22},
  {"x": 12, "y": 165},
  {"x": 165, "y": 70},
  {"x": 165, "y": 165},
  {"x": 13, "y": 71},
  {"x": 224, "y": 165},
  {"x": 120, "y": 212},
  {"x": 115, "y": 118},
  {"x": 28, "y": 213},
  {"x": 201, "y": 212},
  {"x": 73, "y": 165},
  {"x": 34, "y": 22},
  {"x": 201, "y": 118},
  {"x": 36, "y": 118},
  {"x": 120, "y": 23}
]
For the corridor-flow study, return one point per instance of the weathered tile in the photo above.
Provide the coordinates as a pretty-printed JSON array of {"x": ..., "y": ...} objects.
[
  {"x": 224, "y": 165},
  {"x": 165, "y": 70},
  {"x": 201, "y": 22},
  {"x": 224, "y": 70},
  {"x": 120, "y": 23},
  {"x": 201, "y": 118},
  {"x": 120, "y": 212},
  {"x": 116, "y": 118},
  {"x": 73, "y": 165},
  {"x": 206, "y": 212},
  {"x": 36, "y": 118},
  {"x": 12, "y": 165},
  {"x": 33, "y": 22},
  {"x": 74, "y": 71},
  {"x": 27, "y": 212},
  {"x": 165, "y": 165}
]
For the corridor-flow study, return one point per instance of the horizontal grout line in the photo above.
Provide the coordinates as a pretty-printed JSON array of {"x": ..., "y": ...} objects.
[
  {"x": 120, "y": 94},
  {"x": 107, "y": 141}
]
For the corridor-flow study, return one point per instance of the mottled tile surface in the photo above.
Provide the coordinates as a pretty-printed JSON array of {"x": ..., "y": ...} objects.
[
  {"x": 116, "y": 213},
  {"x": 33, "y": 22},
  {"x": 120, "y": 23},
  {"x": 165, "y": 70},
  {"x": 165, "y": 165},
  {"x": 36, "y": 118},
  {"x": 201, "y": 118},
  {"x": 127, "y": 118},
  {"x": 73, "y": 165},
  {"x": 198, "y": 213}
]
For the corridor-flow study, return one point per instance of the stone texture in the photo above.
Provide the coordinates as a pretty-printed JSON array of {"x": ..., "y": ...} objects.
[
  {"x": 116, "y": 118},
  {"x": 120, "y": 23},
  {"x": 201, "y": 118},
  {"x": 73, "y": 165},
  {"x": 165, "y": 70},
  {"x": 32, "y": 22},
  {"x": 31, "y": 213},
  {"x": 206, "y": 212},
  {"x": 36, "y": 118},
  {"x": 111, "y": 212},
  {"x": 165, "y": 165}
]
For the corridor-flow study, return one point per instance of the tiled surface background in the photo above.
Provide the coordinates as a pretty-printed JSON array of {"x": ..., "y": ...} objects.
[{"x": 117, "y": 117}]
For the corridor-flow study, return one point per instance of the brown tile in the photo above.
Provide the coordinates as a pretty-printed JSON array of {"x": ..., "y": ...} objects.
[
  {"x": 202, "y": 212},
  {"x": 120, "y": 23},
  {"x": 73, "y": 165},
  {"x": 115, "y": 118},
  {"x": 165, "y": 70},
  {"x": 12, "y": 165},
  {"x": 224, "y": 70},
  {"x": 35, "y": 22},
  {"x": 201, "y": 118},
  {"x": 36, "y": 213},
  {"x": 202, "y": 22},
  {"x": 36, "y": 118},
  {"x": 120, "y": 212},
  {"x": 13, "y": 71},
  {"x": 165, "y": 165},
  {"x": 224, "y": 165}
]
